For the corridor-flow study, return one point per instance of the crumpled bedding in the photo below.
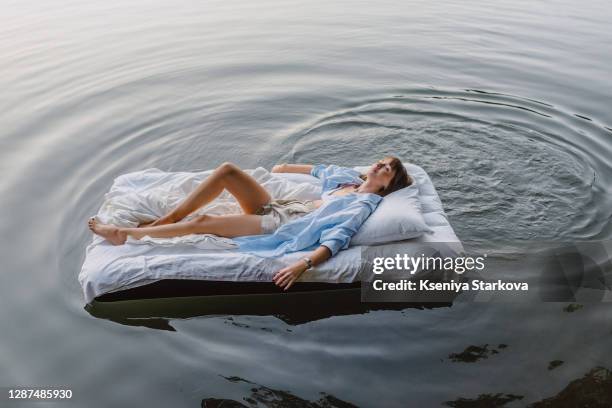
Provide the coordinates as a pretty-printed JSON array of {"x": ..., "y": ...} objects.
[{"x": 143, "y": 196}]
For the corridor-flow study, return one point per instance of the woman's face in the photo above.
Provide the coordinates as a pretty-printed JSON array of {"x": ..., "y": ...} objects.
[{"x": 381, "y": 172}]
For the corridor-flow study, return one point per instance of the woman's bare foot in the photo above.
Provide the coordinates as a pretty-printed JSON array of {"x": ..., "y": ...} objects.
[{"x": 109, "y": 232}]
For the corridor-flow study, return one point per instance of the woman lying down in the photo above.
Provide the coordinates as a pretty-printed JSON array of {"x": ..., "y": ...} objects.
[{"x": 272, "y": 228}]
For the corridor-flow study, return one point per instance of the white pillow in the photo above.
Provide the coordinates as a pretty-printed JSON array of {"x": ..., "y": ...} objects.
[{"x": 397, "y": 217}]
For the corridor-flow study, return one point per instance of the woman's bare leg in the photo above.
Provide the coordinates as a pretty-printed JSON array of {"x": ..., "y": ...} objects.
[
  {"x": 222, "y": 225},
  {"x": 247, "y": 191}
]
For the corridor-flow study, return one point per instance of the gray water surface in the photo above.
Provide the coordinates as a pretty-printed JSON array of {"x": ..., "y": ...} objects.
[{"x": 506, "y": 105}]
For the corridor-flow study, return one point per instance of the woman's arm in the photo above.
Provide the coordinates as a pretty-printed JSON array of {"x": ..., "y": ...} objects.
[
  {"x": 292, "y": 168},
  {"x": 286, "y": 276}
]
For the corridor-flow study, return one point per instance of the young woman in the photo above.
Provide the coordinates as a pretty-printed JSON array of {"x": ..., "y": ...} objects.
[{"x": 275, "y": 227}]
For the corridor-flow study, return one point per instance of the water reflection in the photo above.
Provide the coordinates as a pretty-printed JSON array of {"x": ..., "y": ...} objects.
[
  {"x": 593, "y": 390},
  {"x": 291, "y": 308},
  {"x": 484, "y": 401},
  {"x": 474, "y": 353},
  {"x": 268, "y": 397}
]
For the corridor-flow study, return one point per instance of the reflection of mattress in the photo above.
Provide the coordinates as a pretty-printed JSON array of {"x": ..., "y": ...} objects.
[{"x": 110, "y": 268}]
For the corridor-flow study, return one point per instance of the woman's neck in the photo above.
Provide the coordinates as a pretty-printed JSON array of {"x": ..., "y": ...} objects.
[{"x": 367, "y": 187}]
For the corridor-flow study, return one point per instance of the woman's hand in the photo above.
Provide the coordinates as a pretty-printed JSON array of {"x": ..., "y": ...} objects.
[
  {"x": 292, "y": 168},
  {"x": 279, "y": 168},
  {"x": 289, "y": 274}
]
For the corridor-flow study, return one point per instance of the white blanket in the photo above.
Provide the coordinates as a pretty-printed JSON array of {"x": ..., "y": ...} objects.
[{"x": 146, "y": 195}]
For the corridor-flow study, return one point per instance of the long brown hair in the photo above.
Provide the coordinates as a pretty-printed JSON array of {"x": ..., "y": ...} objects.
[{"x": 400, "y": 179}]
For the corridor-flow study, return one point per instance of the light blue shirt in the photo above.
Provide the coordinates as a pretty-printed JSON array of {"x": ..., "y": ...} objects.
[{"x": 332, "y": 225}]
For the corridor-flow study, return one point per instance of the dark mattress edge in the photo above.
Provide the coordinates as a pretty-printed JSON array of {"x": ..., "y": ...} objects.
[{"x": 181, "y": 288}]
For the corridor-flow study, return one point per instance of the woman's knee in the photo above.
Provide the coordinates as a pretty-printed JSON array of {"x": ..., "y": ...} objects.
[
  {"x": 228, "y": 168},
  {"x": 202, "y": 219}
]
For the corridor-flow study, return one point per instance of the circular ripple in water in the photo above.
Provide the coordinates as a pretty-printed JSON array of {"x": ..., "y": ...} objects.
[{"x": 506, "y": 168}]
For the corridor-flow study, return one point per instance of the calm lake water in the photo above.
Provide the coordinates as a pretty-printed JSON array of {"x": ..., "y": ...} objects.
[{"x": 506, "y": 105}]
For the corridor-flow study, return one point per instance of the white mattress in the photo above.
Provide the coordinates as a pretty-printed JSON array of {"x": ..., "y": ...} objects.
[{"x": 147, "y": 194}]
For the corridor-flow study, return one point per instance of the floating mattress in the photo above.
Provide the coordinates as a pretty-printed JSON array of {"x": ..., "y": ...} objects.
[{"x": 146, "y": 195}]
